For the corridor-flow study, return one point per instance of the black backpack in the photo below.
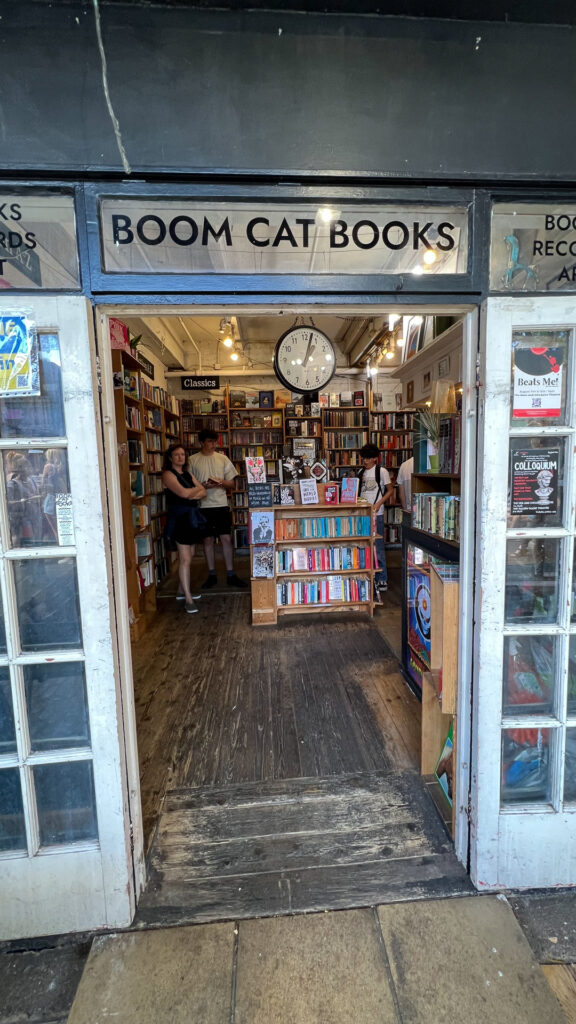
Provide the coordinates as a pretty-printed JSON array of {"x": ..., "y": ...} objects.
[{"x": 377, "y": 475}]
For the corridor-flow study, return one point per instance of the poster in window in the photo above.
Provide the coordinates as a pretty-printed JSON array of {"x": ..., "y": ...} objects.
[
  {"x": 537, "y": 382},
  {"x": 19, "y": 374},
  {"x": 534, "y": 481}
]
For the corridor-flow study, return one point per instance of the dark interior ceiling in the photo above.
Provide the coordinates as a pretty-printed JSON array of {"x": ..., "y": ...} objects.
[{"x": 537, "y": 12}]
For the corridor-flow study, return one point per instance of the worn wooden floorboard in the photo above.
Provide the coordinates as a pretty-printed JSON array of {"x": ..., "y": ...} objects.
[
  {"x": 288, "y": 755},
  {"x": 287, "y": 892}
]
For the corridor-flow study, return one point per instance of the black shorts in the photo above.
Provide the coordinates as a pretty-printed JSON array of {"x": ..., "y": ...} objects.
[
  {"x": 218, "y": 521},
  {"x": 184, "y": 533}
]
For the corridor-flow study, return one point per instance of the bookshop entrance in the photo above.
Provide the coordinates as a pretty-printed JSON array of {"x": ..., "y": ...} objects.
[{"x": 292, "y": 749}]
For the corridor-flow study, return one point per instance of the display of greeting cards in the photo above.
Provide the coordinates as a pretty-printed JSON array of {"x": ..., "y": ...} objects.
[
  {"x": 331, "y": 494},
  {"x": 263, "y": 562},
  {"x": 261, "y": 527},
  {"x": 255, "y": 470},
  {"x": 349, "y": 489},
  {"x": 308, "y": 492}
]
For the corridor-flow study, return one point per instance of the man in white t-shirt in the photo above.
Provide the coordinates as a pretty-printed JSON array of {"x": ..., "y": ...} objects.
[
  {"x": 376, "y": 487},
  {"x": 218, "y": 475},
  {"x": 404, "y": 483}
]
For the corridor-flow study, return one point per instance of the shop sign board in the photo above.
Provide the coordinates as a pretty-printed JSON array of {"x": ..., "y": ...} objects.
[
  {"x": 177, "y": 236},
  {"x": 533, "y": 247},
  {"x": 38, "y": 248},
  {"x": 534, "y": 481}
]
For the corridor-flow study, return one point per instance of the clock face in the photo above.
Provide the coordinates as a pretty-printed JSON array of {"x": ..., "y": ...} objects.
[{"x": 304, "y": 359}]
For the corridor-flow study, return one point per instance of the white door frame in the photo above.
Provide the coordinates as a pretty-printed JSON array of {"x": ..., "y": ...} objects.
[
  {"x": 516, "y": 846},
  {"x": 83, "y": 885}
]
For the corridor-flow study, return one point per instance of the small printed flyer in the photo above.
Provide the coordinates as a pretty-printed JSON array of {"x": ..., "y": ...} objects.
[
  {"x": 64, "y": 520},
  {"x": 534, "y": 481}
]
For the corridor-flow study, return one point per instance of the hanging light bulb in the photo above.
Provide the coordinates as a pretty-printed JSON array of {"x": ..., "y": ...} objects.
[
  {"x": 234, "y": 356},
  {"x": 226, "y": 333}
]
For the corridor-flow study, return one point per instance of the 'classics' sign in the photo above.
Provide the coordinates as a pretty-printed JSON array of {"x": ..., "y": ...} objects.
[
  {"x": 533, "y": 247},
  {"x": 196, "y": 383},
  {"x": 183, "y": 237}
]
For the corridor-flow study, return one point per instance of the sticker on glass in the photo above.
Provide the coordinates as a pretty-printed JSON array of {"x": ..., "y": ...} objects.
[{"x": 19, "y": 374}]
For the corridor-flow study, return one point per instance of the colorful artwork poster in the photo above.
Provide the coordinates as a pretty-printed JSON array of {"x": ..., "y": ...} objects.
[
  {"x": 537, "y": 383},
  {"x": 416, "y": 669},
  {"x": 419, "y": 613},
  {"x": 534, "y": 481},
  {"x": 19, "y": 372}
]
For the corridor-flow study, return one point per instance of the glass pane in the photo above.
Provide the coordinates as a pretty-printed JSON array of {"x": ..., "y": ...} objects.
[
  {"x": 532, "y": 580},
  {"x": 12, "y": 831},
  {"x": 539, "y": 372},
  {"x": 529, "y": 674},
  {"x": 41, "y": 416},
  {"x": 536, "y": 482},
  {"x": 7, "y": 731},
  {"x": 57, "y": 708},
  {"x": 65, "y": 801},
  {"x": 2, "y": 630},
  {"x": 573, "y": 613},
  {"x": 525, "y": 765},
  {"x": 33, "y": 479},
  {"x": 570, "y": 766},
  {"x": 48, "y": 609},
  {"x": 572, "y": 676}
]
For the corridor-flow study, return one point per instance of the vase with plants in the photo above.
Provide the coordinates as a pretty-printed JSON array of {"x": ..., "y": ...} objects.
[{"x": 430, "y": 425}]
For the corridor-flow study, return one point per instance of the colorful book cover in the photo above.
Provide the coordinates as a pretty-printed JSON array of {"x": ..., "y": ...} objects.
[
  {"x": 255, "y": 469},
  {"x": 266, "y": 399},
  {"x": 263, "y": 562},
  {"x": 331, "y": 494},
  {"x": 261, "y": 527},
  {"x": 237, "y": 399},
  {"x": 359, "y": 398},
  {"x": 286, "y": 495},
  {"x": 445, "y": 768},
  {"x": 308, "y": 492},
  {"x": 349, "y": 490}
]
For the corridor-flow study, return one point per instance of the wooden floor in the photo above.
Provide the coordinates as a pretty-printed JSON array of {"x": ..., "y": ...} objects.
[{"x": 291, "y": 748}]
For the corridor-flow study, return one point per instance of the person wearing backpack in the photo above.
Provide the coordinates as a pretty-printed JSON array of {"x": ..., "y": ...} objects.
[{"x": 376, "y": 487}]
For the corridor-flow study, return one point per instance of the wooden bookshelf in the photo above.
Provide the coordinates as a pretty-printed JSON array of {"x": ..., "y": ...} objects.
[
  {"x": 147, "y": 422},
  {"x": 307, "y": 589},
  {"x": 345, "y": 430},
  {"x": 259, "y": 432},
  {"x": 440, "y": 684}
]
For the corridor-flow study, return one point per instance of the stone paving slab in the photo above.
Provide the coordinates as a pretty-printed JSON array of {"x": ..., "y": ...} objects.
[
  {"x": 316, "y": 969},
  {"x": 169, "y": 976},
  {"x": 465, "y": 960},
  {"x": 548, "y": 920}
]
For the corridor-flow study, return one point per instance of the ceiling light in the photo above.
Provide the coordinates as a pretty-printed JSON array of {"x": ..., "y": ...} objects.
[
  {"x": 429, "y": 256},
  {"x": 389, "y": 354},
  {"x": 234, "y": 356},
  {"x": 226, "y": 332},
  {"x": 228, "y": 341},
  {"x": 400, "y": 341}
]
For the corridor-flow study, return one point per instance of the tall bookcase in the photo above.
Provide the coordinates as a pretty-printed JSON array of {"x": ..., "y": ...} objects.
[
  {"x": 392, "y": 432},
  {"x": 253, "y": 432},
  {"x": 205, "y": 414},
  {"x": 147, "y": 422},
  {"x": 345, "y": 431},
  {"x": 336, "y": 543}
]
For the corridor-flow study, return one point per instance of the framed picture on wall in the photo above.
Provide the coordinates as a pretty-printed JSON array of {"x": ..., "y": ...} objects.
[
  {"x": 410, "y": 392},
  {"x": 413, "y": 337}
]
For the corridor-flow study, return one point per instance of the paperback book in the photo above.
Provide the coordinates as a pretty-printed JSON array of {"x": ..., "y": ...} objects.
[
  {"x": 331, "y": 494},
  {"x": 263, "y": 562},
  {"x": 261, "y": 527},
  {"x": 308, "y": 492},
  {"x": 349, "y": 490},
  {"x": 255, "y": 469}
]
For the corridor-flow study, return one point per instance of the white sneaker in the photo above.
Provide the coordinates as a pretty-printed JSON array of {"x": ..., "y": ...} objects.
[
  {"x": 182, "y": 597},
  {"x": 190, "y": 607}
]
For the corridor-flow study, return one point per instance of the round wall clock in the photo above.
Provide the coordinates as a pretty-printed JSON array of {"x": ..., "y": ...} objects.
[{"x": 304, "y": 359}]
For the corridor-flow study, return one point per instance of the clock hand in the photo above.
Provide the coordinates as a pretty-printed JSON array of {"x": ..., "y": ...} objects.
[{"x": 307, "y": 351}]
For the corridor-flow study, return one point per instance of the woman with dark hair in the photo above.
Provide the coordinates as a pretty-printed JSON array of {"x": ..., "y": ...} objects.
[{"x": 183, "y": 528}]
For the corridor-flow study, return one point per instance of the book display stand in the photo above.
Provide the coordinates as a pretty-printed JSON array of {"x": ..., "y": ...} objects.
[{"x": 320, "y": 560}]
